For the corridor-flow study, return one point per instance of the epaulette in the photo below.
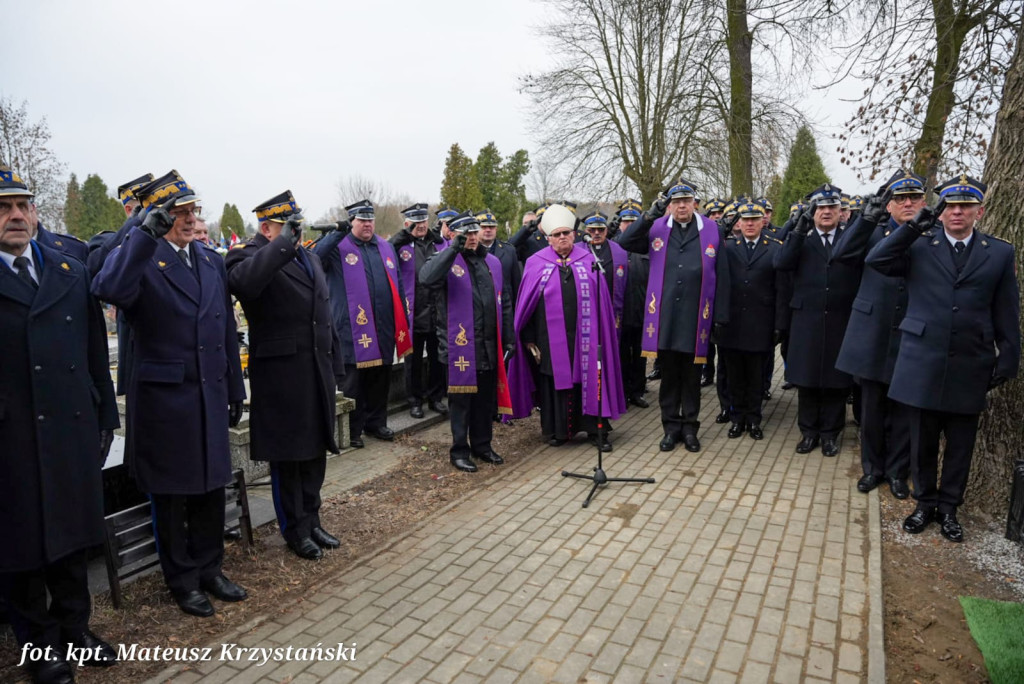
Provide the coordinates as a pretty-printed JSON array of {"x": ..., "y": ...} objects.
[
  {"x": 240, "y": 245},
  {"x": 66, "y": 236},
  {"x": 928, "y": 233},
  {"x": 996, "y": 237},
  {"x": 773, "y": 239}
]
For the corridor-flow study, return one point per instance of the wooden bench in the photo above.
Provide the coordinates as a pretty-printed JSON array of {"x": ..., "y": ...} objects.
[{"x": 130, "y": 547}]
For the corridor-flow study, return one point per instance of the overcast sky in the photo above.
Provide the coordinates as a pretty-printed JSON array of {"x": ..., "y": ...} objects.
[{"x": 249, "y": 98}]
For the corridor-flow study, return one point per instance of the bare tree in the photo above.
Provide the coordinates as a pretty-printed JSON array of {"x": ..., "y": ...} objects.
[{"x": 24, "y": 146}]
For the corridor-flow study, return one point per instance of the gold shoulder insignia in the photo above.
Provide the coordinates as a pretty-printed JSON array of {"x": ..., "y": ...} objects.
[
  {"x": 773, "y": 239},
  {"x": 240, "y": 245},
  {"x": 161, "y": 264},
  {"x": 996, "y": 237}
]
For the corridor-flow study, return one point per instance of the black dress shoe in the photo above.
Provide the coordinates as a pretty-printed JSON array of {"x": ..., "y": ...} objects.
[
  {"x": 232, "y": 535},
  {"x": 788, "y": 385},
  {"x": 766, "y": 395},
  {"x": 668, "y": 442},
  {"x": 723, "y": 417},
  {"x": 950, "y": 528},
  {"x": 602, "y": 441},
  {"x": 489, "y": 457},
  {"x": 323, "y": 539},
  {"x": 918, "y": 520},
  {"x": 707, "y": 380},
  {"x": 556, "y": 441},
  {"x": 691, "y": 443},
  {"x": 220, "y": 587},
  {"x": 807, "y": 445},
  {"x": 194, "y": 603},
  {"x": 306, "y": 548},
  {"x": 98, "y": 651},
  {"x": 464, "y": 464},
  {"x": 416, "y": 411},
  {"x": 382, "y": 433},
  {"x": 868, "y": 482},
  {"x": 829, "y": 447},
  {"x": 735, "y": 431},
  {"x": 640, "y": 402},
  {"x": 356, "y": 442},
  {"x": 51, "y": 669},
  {"x": 756, "y": 432},
  {"x": 898, "y": 487},
  {"x": 439, "y": 406}
]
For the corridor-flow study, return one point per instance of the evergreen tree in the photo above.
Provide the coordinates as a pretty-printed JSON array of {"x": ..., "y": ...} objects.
[
  {"x": 460, "y": 187},
  {"x": 231, "y": 222},
  {"x": 99, "y": 211},
  {"x": 804, "y": 173},
  {"x": 511, "y": 201},
  {"x": 73, "y": 208},
  {"x": 488, "y": 170}
]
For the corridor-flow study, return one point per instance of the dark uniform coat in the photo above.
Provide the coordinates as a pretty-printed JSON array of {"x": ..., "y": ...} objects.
[
  {"x": 528, "y": 243},
  {"x": 823, "y": 293},
  {"x": 422, "y": 319},
  {"x": 55, "y": 397},
  {"x": 186, "y": 368},
  {"x": 291, "y": 348},
  {"x": 511, "y": 268},
  {"x": 873, "y": 335},
  {"x": 66, "y": 244},
  {"x": 954, "y": 323},
  {"x": 760, "y": 298}
]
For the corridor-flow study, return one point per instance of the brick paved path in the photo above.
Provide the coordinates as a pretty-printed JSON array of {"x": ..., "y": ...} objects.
[{"x": 746, "y": 562}]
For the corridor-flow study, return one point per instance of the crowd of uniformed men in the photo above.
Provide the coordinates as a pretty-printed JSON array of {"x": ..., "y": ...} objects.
[{"x": 908, "y": 309}]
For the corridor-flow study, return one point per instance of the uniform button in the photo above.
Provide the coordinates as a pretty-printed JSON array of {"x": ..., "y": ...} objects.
[
  {"x": 677, "y": 299},
  {"x": 39, "y": 368},
  {"x": 902, "y": 288},
  {"x": 283, "y": 250},
  {"x": 746, "y": 282},
  {"x": 41, "y": 418},
  {"x": 219, "y": 347},
  {"x": 826, "y": 289},
  {"x": 955, "y": 309},
  {"x": 204, "y": 381},
  {"x": 899, "y": 308},
  {"x": 216, "y": 315},
  {"x": 68, "y": 319},
  {"x": 71, "y": 367},
  {"x": 78, "y": 414},
  {"x": 202, "y": 348}
]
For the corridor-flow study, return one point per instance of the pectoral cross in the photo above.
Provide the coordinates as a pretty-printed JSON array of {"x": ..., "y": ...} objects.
[
  {"x": 462, "y": 364},
  {"x": 365, "y": 341},
  {"x": 650, "y": 330}
]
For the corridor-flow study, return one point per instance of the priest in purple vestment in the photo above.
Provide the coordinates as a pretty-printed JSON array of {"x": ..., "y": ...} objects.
[{"x": 564, "y": 315}]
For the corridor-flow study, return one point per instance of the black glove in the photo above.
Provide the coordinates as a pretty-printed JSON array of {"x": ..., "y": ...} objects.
[
  {"x": 292, "y": 229},
  {"x": 234, "y": 413},
  {"x": 657, "y": 209},
  {"x": 925, "y": 219},
  {"x": 159, "y": 220},
  {"x": 730, "y": 222},
  {"x": 532, "y": 226},
  {"x": 716, "y": 332},
  {"x": 778, "y": 336},
  {"x": 344, "y": 227},
  {"x": 106, "y": 439},
  {"x": 459, "y": 241},
  {"x": 403, "y": 237},
  {"x": 874, "y": 211},
  {"x": 806, "y": 221},
  {"x": 435, "y": 234},
  {"x": 996, "y": 381}
]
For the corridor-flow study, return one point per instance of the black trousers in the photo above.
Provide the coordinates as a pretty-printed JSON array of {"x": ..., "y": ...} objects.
[
  {"x": 746, "y": 384},
  {"x": 634, "y": 364},
  {"x": 472, "y": 416},
  {"x": 424, "y": 385},
  {"x": 884, "y": 432},
  {"x": 296, "y": 489},
  {"x": 960, "y": 430},
  {"x": 189, "y": 537},
  {"x": 725, "y": 399},
  {"x": 821, "y": 411},
  {"x": 768, "y": 370},
  {"x": 369, "y": 387},
  {"x": 709, "y": 367},
  {"x": 679, "y": 396},
  {"x": 67, "y": 614}
]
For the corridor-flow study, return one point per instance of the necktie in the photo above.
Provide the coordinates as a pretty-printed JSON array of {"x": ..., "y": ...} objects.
[
  {"x": 183, "y": 255},
  {"x": 960, "y": 248},
  {"x": 827, "y": 237},
  {"x": 21, "y": 266}
]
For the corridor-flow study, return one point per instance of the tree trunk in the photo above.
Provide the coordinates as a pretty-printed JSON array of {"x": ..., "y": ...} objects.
[
  {"x": 740, "y": 96},
  {"x": 1002, "y": 426}
]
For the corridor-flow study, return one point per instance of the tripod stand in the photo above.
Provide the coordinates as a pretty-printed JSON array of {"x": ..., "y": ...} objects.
[{"x": 599, "y": 478}]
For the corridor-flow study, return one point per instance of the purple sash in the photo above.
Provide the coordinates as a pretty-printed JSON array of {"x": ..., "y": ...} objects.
[
  {"x": 620, "y": 264},
  {"x": 360, "y": 301},
  {"x": 407, "y": 264},
  {"x": 461, "y": 332},
  {"x": 659, "y": 236}
]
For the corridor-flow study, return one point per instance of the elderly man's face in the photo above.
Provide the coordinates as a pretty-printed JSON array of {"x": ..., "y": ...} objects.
[
  {"x": 561, "y": 239},
  {"x": 598, "y": 234},
  {"x": 202, "y": 232},
  {"x": 472, "y": 241},
  {"x": 417, "y": 228},
  {"x": 362, "y": 229},
  {"x": 826, "y": 217},
  {"x": 682, "y": 209},
  {"x": 130, "y": 206},
  {"x": 184, "y": 229},
  {"x": 17, "y": 222}
]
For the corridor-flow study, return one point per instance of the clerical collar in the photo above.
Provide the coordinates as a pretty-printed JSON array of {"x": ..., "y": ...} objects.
[{"x": 953, "y": 240}]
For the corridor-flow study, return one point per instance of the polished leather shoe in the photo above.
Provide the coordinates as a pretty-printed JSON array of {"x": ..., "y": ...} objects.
[
  {"x": 556, "y": 441},
  {"x": 707, "y": 380},
  {"x": 639, "y": 402},
  {"x": 324, "y": 539},
  {"x": 829, "y": 447},
  {"x": 766, "y": 395},
  {"x": 807, "y": 445},
  {"x": 306, "y": 548},
  {"x": 220, "y": 587},
  {"x": 194, "y": 603},
  {"x": 416, "y": 411},
  {"x": 97, "y": 652},
  {"x": 723, "y": 417},
  {"x": 385, "y": 433},
  {"x": 950, "y": 527},
  {"x": 735, "y": 431},
  {"x": 601, "y": 441},
  {"x": 898, "y": 487},
  {"x": 464, "y": 464},
  {"x": 918, "y": 520},
  {"x": 788, "y": 385},
  {"x": 439, "y": 406},
  {"x": 691, "y": 443},
  {"x": 489, "y": 457},
  {"x": 756, "y": 432},
  {"x": 356, "y": 442},
  {"x": 232, "y": 535},
  {"x": 668, "y": 442},
  {"x": 51, "y": 669},
  {"x": 868, "y": 482}
]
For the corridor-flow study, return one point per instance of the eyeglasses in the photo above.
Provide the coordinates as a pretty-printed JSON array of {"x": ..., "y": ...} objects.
[
  {"x": 902, "y": 199},
  {"x": 195, "y": 210},
  {"x": 561, "y": 234}
]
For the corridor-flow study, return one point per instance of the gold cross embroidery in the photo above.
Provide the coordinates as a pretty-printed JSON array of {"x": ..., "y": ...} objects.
[
  {"x": 703, "y": 335},
  {"x": 365, "y": 341},
  {"x": 462, "y": 364},
  {"x": 650, "y": 330}
]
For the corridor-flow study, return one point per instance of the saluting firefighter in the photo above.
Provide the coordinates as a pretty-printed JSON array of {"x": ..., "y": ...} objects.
[
  {"x": 293, "y": 362},
  {"x": 474, "y": 330}
]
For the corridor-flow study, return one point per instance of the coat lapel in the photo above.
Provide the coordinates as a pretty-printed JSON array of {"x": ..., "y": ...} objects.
[
  {"x": 978, "y": 255},
  {"x": 174, "y": 270},
  {"x": 760, "y": 249},
  {"x": 941, "y": 251},
  {"x": 55, "y": 279},
  {"x": 294, "y": 270},
  {"x": 11, "y": 286}
]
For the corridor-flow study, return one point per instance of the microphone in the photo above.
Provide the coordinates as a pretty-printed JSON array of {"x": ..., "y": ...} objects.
[
  {"x": 323, "y": 227},
  {"x": 588, "y": 238}
]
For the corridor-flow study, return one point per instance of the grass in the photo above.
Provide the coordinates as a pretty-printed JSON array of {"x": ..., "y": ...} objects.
[{"x": 998, "y": 629}]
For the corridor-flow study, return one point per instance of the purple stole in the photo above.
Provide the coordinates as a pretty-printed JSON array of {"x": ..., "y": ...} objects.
[
  {"x": 600, "y": 379},
  {"x": 360, "y": 302},
  {"x": 407, "y": 264},
  {"x": 709, "y": 247},
  {"x": 620, "y": 264}
]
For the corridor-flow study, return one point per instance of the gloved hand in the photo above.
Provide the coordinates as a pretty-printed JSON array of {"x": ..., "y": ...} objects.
[
  {"x": 996, "y": 381},
  {"x": 806, "y": 221},
  {"x": 925, "y": 218},
  {"x": 730, "y": 222},
  {"x": 459, "y": 241},
  {"x": 778, "y": 336},
  {"x": 106, "y": 439},
  {"x": 159, "y": 221},
  {"x": 403, "y": 237},
  {"x": 344, "y": 227},
  {"x": 532, "y": 226},
  {"x": 292, "y": 229},
  {"x": 234, "y": 413},
  {"x": 657, "y": 209},
  {"x": 874, "y": 211}
]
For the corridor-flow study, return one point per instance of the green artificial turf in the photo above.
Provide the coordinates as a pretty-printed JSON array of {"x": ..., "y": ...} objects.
[{"x": 998, "y": 629}]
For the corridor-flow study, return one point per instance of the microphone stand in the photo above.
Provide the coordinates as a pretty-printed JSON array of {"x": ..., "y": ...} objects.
[{"x": 599, "y": 478}]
